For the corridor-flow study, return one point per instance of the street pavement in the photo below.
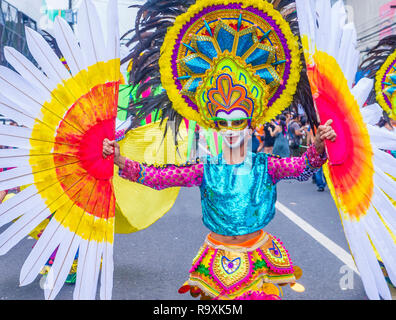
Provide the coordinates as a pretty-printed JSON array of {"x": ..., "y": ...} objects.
[{"x": 153, "y": 263}]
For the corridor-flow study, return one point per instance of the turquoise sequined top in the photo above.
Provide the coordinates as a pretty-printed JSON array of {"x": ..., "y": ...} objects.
[{"x": 237, "y": 199}]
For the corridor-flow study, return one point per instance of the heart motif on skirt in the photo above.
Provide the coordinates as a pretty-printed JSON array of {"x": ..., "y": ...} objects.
[{"x": 230, "y": 266}]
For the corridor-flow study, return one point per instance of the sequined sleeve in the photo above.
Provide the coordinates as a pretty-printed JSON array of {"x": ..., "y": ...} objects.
[
  {"x": 189, "y": 175},
  {"x": 298, "y": 168}
]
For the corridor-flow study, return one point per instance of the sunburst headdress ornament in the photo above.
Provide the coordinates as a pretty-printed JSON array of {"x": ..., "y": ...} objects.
[
  {"x": 380, "y": 64},
  {"x": 385, "y": 85},
  {"x": 218, "y": 58}
]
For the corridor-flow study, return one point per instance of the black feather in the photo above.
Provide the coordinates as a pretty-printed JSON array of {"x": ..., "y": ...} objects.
[
  {"x": 52, "y": 42},
  {"x": 375, "y": 58},
  {"x": 146, "y": 39}
]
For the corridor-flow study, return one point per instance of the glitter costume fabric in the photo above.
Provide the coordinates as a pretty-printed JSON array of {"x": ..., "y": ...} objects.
[
  {"x": 237, "y": 199},
  {"x": 298, "y": 168},
  {"x": 162, "y": 177}
]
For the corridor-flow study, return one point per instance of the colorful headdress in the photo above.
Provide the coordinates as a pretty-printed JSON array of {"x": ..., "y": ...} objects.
[
  {"x": 217, "y": 57},
  {"x": 221, "y": 58},
  {"x": 380, "y": 64}
]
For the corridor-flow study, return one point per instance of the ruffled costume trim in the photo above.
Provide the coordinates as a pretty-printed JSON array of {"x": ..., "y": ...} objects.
[{"x": 248, "y": 271}]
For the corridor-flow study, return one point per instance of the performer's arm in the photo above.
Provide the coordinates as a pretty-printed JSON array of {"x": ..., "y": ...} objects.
[
  {"x": 189, "y": 175},
  {"x": 302, "y": 168},
  {"x": 298, "y": 168}
]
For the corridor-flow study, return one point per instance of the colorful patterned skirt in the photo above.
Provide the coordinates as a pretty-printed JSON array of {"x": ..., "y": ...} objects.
[{"x": 253, "y": 270}]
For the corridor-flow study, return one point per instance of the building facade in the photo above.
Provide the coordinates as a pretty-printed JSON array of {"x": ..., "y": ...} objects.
[
  {"x": 28, "y": 7},
  {"x": 12, "y": 29},
  {"x": 374, "y": 19}
]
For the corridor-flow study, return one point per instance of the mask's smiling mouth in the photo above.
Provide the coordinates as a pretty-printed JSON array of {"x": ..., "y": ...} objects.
[{"x": 232, "y": 139}]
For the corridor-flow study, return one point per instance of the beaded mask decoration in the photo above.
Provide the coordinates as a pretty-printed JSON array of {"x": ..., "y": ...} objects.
[
  {"x": 385, "y": 86},
  {"x": 221, "y": 58}
]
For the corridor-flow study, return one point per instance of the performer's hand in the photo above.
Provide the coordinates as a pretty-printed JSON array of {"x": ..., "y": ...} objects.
[
  {"x": 324, "y": 132},
  {"x": 3, "y": 194},
  {"x": 109, "y": 148}
]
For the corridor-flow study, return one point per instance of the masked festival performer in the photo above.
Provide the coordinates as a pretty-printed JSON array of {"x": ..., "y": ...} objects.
[
  {"x": 238, "y": 194},
  {"x": 229, "y": 68}
]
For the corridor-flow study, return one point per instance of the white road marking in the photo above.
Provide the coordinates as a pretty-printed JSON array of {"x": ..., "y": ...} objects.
[{"x": 330, "y": 245}]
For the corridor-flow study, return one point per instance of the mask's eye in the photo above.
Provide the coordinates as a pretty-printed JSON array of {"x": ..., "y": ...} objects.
[
  {"x": 239, "y": 123},
  {"x": 222, "y": 123}
]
